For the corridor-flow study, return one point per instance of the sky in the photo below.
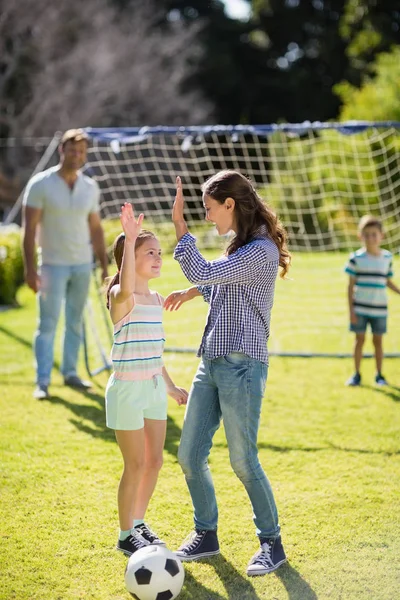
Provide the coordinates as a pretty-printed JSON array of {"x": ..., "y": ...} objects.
[{"x": 237, "y": 9}]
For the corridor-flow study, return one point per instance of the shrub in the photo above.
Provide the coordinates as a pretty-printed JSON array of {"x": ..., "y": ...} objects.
[{"x": 11, "y": 264}]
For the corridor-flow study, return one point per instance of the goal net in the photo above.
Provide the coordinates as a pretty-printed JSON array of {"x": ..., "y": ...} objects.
[{"x": 320, "y": 178}]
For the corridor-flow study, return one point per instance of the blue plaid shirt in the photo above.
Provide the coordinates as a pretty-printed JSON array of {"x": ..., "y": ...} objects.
[{"x": 240, "y": 290}]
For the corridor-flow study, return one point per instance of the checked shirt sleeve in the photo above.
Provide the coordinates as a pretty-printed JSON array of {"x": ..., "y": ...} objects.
[
  {"x": 240, "y": 267},
  {"x": 205, "y": 291}
]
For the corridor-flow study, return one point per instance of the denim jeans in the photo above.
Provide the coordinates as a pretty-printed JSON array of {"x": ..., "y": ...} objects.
[
  {"x": 59, "y": 283},
  {"x": 231, "y": 387}
]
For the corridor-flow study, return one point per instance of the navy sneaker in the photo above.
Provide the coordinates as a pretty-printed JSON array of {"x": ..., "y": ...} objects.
[
  {"x": 380, "y": 380},
  {"x": 149, "y": 535},
  {"x": 132, "y": 543},
  {"x": 199, "y": 544},
  {"x": 76, "y": 382},
  {"x": 354, "y": 380},
  {"x": 270, "y": 556}
]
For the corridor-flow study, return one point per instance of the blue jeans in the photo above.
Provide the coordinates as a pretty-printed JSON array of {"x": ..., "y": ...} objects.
[
  {"x": 59, "y": 283},
  {"x": 231, "y": 387}
]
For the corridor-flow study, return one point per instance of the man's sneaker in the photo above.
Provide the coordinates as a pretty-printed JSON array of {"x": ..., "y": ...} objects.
[
  {"x": 270, "y": 556},
  {"x": 199, "y": 544},
  {"x": 380, "y": 380},
  {"x": 76, "y": 382},
  {"x": 41, "y": 392},
  {"x": 132, "y": 543},
  {"x": 354, "y": 380},
  {"x": 149, "y": 535}
]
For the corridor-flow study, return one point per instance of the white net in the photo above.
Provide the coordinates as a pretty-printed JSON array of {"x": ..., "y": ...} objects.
[{"x": 320, "y": 178}]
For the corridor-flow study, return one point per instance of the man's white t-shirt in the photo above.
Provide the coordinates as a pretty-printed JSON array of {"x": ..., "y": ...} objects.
[{"x": 64, "y": 236}]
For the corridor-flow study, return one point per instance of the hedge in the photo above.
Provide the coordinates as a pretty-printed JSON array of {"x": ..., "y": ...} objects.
[{"x": 11, "y": 264}]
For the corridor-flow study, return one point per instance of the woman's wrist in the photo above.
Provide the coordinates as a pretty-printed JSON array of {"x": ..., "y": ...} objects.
[{"x": 180, "y": 229}]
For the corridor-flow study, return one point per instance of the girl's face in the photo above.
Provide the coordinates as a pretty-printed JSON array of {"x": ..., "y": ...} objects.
[
  {"x": 148, "y": 259},
  {"x": 222, "y": 215}
]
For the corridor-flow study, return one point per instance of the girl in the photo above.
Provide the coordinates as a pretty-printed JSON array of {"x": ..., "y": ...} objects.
[
  {"x": 231, "y": 377},
  {"x": 136, "y": 394}
]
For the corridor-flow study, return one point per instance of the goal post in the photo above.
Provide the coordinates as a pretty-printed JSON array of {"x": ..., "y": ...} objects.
[{"x": 320, "y": 178}]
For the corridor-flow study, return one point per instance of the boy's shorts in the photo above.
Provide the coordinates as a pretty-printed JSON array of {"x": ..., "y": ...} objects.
[
  {"x": 128, "y": 403},
  {"x": 378, "y": 324}
]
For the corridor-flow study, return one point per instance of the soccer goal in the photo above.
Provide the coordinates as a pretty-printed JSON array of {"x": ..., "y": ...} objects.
[{"x": 319, "y": 177}]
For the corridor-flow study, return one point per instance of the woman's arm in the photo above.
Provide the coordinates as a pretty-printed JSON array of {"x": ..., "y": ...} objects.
[{"x": 175, "y": 299}]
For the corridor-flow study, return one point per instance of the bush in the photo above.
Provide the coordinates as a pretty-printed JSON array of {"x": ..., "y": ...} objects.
[{"x": 11, "y": 264}]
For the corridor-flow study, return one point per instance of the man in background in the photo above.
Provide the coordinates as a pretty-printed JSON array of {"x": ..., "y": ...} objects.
[{"x": 62, "y": 205}]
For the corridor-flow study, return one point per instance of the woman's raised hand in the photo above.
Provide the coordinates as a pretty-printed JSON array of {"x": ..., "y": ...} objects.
[
  {"x": 177, "y": 209},
  {"x": 130, "y": 225},
  {"x": 178, "y": 218}
]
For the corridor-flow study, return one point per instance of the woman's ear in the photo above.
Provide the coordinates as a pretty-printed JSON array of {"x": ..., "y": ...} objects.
[{"x": 229, "y": 204}]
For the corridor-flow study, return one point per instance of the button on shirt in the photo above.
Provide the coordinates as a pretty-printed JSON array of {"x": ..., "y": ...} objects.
[
  {"x": 240, "y": 290},
  {"x": 64, "y": 236}
]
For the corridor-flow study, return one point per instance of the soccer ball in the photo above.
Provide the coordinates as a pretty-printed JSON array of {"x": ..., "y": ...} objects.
[{"x": 154, "y": 573}]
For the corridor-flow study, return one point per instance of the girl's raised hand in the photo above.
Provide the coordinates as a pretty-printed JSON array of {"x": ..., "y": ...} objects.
[{"x": 130, "y": 225}]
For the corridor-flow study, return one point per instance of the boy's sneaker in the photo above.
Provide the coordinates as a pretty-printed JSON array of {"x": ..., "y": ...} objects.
[
  {"x": 380, "y": 380},
  {"x": 270, "y": 556},
  {"x": 149, "y": 535},
  {"x": 199, "y": 544},
  {"x": 132, "y": 543},
  {"x": 41, "y": 392},
  {"x": 354, "y": 380}
]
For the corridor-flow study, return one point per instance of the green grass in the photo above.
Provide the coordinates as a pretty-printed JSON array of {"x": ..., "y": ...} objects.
[{"x": 332, "y": 455}]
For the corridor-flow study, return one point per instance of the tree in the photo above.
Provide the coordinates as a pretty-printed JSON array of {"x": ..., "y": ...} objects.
[{"x": 378, "y": 98}]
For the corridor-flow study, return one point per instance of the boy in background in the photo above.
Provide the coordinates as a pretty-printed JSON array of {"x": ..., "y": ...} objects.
[{"x": 370, "y": 270}]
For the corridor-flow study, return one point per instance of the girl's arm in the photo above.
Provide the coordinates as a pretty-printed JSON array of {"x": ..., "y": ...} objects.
[
  {"x": 392, "y": 286},
  {"x": 123, "y": 291},
  {"x": 175, "y": 299},
  {"x": 177, "y": 393}
]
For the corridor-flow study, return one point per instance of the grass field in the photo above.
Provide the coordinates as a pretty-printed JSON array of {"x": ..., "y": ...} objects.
[{"x": 332, "y": 455}]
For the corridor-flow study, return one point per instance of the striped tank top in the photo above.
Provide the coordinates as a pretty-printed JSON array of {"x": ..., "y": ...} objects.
[{"x": 139, "y": 342}]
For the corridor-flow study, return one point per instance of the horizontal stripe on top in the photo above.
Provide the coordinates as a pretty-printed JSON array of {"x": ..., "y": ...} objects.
[{"x": 139, "y": 342}]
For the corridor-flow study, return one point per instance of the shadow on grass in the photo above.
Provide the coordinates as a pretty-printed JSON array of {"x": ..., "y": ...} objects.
[
  {"x": 390, "y": 391},
  {"x": 239, "y": 587},
  {"x": 92, "y": 420}
]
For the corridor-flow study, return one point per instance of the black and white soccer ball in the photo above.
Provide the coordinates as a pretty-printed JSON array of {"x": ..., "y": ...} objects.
[{"x": 154, "y": 573}]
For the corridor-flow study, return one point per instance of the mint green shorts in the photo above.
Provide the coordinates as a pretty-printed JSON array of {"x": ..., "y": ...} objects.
[{"x": 128, "y": 403}]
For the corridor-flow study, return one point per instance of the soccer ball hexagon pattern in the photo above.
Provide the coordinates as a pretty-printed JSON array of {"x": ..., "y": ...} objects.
[{"x": 154, "y": 573}]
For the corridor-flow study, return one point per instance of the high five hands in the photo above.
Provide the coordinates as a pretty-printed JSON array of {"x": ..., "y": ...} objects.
[
  {"x": 178, "y": 218},
  {"x": 130, "y": 225}
]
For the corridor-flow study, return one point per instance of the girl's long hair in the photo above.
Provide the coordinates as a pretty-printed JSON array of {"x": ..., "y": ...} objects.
[
  {"x": 251, "y": 213},
  {"x": 118, "y": 251}
]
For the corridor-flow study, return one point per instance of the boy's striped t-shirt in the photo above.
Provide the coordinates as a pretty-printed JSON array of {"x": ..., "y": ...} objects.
[
  {"x": 139, "y": 343},
  {"x": 371, "y": 274}
]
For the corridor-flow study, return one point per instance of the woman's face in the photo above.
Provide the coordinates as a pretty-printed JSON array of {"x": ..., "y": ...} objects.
[{"x": 222, "y": 215}]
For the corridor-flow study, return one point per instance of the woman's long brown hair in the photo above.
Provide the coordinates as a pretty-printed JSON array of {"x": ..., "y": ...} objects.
[
  {"x": 118, "y": 251},
  {"x": 251, "y": 213}
]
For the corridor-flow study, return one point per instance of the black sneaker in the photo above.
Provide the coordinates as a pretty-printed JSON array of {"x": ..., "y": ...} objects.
[
  {"x": 76, "y": 382},
  {"x": 199, "y": 544},
  {"x": 149, "y": 535},
  {"x": 132, "y": 543},
  {"x": 354, "y": 380},
  {"x": 380, "y": 380},
  {"x": 270, "y": 556}
]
